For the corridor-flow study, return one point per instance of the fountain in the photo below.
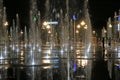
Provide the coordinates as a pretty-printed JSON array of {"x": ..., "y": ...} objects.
[{"x": 51, "y": 48}]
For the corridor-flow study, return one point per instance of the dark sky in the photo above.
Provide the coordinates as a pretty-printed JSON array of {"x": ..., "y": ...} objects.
[{"x": 100, "y": 10}]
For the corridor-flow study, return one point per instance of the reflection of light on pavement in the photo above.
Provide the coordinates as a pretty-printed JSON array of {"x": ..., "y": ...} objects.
[
  {"x": 47, "y": 67},
  {"x": 82, "y": 62},
  {"x": 22, "y": 53},
  {"x": 46, "y": 61},
  {"x": 47, "y": 51},
  {"x": 77, "y": 51},
  {"x": 81, "y": 76},
  {"x": 46, "y": 57}
]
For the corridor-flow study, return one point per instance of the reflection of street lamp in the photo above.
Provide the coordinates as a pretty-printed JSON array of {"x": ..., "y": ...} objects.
[
  {"x": 45, "y": 23},
  {"x": 78, "y": 26}
]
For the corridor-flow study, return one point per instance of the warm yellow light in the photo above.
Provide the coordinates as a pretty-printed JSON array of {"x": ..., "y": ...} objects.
[
  {"x": 6, "y": 23},
  {"x": 77, "y": 31},
  {"x": 48, "y": 26},
  {"x": 45, "y": 23},
  {"x": 85, "y": 27},
  {"x": 105, "y": 31},
  {"x": 82, "y": 23},
  {"x": 78, "y": 26},
  {"x": 84, "y": 63},
  {"x": 110, "y": 26},
  {"x": 21, "y": 32},
  {"x": 49, "y": 31},
  {"x": 93, "y": 32},
  {"x": 46, "y": 61}
]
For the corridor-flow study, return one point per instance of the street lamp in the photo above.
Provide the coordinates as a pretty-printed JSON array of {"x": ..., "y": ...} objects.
[
  {"x": 78, "y": 26},
  {"x": 82, "y": 23},
  {"x": 45, "y": 23}
]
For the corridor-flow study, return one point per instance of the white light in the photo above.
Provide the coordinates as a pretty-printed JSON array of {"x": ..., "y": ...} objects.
[
  {"x": 33, "y": 63},
  {"x": 53, "y": 22},
  {"x": 1, "y": 57},
  {"x": 39, "y": 49}
]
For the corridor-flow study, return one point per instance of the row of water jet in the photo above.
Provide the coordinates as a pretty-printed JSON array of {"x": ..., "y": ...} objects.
[
  {"x": 53, "y": 46},
  {"x": 4, "y": 41},
  {"x": 33, "y": 48}
]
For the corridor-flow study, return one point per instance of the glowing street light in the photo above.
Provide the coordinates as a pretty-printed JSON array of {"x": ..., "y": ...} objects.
[
  {"x": 49, "y": 31},
  {"x": 77, "y": 31},
  {"x": 85, "y": 27},
  {"x": 78, "y": 26},
  {"x": 48, "y": 26},
  {"x": 45, "y": 23},
  {"x": 82, "y": 23}
]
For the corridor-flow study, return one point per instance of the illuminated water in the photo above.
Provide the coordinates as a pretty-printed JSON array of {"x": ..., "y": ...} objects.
[{"x": 51, "y": 48}]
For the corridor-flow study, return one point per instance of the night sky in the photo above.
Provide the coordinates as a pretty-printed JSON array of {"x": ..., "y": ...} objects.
[{"x": 100, "y": 10}]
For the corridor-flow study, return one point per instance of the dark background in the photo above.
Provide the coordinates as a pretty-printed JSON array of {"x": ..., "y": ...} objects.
[{"x": 100, "y": 10}]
